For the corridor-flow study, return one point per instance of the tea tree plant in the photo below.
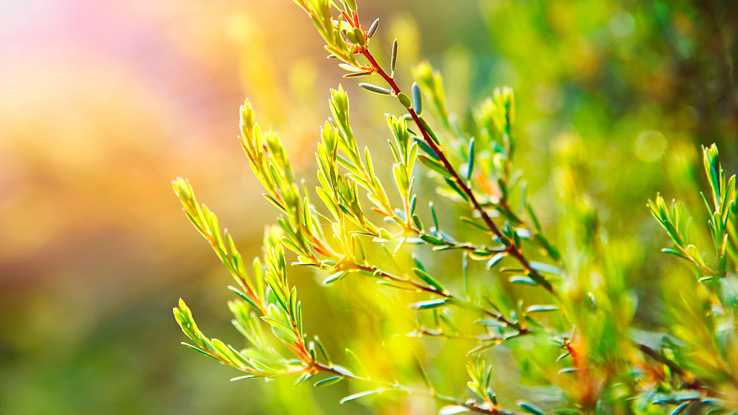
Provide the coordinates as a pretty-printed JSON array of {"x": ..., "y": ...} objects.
[{"x": 571, "y": 307}]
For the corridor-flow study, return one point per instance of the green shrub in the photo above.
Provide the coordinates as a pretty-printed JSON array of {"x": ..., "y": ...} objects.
[{"x": 562, "y": 309}]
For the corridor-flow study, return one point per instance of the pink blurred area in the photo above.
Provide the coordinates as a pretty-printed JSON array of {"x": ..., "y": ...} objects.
[{"x": 102, "y": 104}]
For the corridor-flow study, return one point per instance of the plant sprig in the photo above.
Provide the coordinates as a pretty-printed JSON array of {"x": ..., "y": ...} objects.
[
  {"x": 267, "y": 300},
  {"x": 436, "y": 157},
  {"x": 340, "y": 238},
  {"x": 721, "y": 209}
]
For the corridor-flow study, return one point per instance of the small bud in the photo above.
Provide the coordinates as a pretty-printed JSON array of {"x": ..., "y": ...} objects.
[
  {"x": 372, "y": 29},
  {"x": 359, "y": 36},
  {"x": 350, "y": 36},
  {"x": 247, "y": 115},
  {"x": 404, "y": 100},
  {"x": 182, "y": 188},
  {"x": 393, "y": 62}
]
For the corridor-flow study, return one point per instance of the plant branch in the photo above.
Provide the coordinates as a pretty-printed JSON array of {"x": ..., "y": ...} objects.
[
  {"x": 447, "y": 295},
  {"x": 511, "y": 248},
  {"x": 689, "y": 381},
  {"x": 472, "y": 406}
]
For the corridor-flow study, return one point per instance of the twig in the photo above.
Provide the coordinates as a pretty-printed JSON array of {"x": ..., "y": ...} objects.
[{"x": 511, "y": 248}]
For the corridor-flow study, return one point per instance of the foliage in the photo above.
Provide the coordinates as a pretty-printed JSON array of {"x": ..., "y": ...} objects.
[{"x": 565, "y": 314}]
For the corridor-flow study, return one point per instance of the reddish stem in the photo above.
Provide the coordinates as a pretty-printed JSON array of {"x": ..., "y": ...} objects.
[{"x": 511, "y": 248}]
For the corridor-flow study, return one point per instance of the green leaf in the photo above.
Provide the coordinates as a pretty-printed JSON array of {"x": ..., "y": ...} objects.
[
  {"x": 470, "y": 165},
  {"x": 244, "y": 377},
  {"x": 428, "y": 279},
  {"x": 522, "y": 279},
  {"x": 361, "y": 395},
  {"x": 548, "y": 268},
  {"x": 418, "y": 223},
  {"x": 322, "y": 349},
  {"x": 224, "y": 351},
  {"x": 393, "y": 60},
  {"x": 280, "y": 326},
  {"x": 358, "y": 362},
  {"x": 431, "y": 239},
  {"x": 424, "y": 124},
  {"x": 342, "y": 370},
  {"x": 530, "y": 408},
  {"x": 426, "y": 305},
  {"x": 197, "y": 349},
  {"x": 495, "y": 259},
  {"x": 491, "y": 322},
  {"x": 674, "y": 252},
  {"x": 334, "y": 277},
  {"x": 541, "y": 308},
  {"x": 372, "y": 28},
  {"x": 305, "y": 376},
  {"x": 484, "y": 347},
  {"x": 274, "y": 201},
  {"x": 357, "y": 74},
  {"x": 427, "y": 149},
  {"x": 435, "y": 166},
  {"x": 417, "y": 100},
  {"x": 328, "y": 381},
  {"x": 680, "y": 408}
]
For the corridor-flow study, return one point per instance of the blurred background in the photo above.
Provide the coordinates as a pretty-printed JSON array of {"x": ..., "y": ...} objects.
[{"x": 103, "y": 103}]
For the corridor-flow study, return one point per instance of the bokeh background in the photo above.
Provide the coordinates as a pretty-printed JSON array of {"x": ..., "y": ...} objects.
[{"x": 103, "y": 103}]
